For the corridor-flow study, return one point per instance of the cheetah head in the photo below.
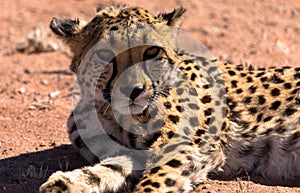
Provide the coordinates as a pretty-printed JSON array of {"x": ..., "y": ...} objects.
[{"x": 124, "y": 52}]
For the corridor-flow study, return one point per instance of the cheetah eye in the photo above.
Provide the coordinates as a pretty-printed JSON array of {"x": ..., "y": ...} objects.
[
  {"x": 105, "y": 55},
  {"x": 152, "y": 53}
]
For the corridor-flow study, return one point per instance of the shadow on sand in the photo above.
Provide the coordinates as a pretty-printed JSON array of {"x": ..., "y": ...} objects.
[{"x": 26, "y": 172}]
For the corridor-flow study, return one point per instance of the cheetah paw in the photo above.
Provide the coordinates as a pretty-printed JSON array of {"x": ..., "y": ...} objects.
[{"x": 60, "y": 182}]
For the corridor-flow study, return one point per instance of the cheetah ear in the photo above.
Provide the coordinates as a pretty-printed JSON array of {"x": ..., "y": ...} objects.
[
  {"x": 174, "y": 18},
  {"x": 70, "y": 32}
]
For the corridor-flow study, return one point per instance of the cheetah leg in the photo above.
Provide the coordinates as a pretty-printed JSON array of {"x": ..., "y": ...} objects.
[
  {"x": 182, "y": 173},
  {"x": 107, "y": 176}
]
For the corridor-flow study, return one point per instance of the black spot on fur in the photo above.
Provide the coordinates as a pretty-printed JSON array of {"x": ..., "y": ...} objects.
[
  {"x": 206, "y": 99},
  {"x": 275, "y": 105},
  {"x": 276, "y": 79},
  {"x": 193, "y": 92},
  {"x": 224, "y": 126},
  {"x": 289, "y": 98},
  {"x": 268, "y": 118},
  {"x": 174, "y": 118},
  {"x": 147, "y": 190},
  {"x": 249, "y": 79},
  {"x": 231, "y": 73},
  {"x": 61, "y": 185},
  {"x": 167, "y": 105},
  {"x": 114, "y": 28},
  {"x": 179, "y": 109},
  {"x": 152, "y": 138},
  {"x": 259, "y": 117},
  {"x": 252, "y": 89},
  {"x": 155, "y": 170},
  {"x": 186, "y": 173},
  {"x": 252, "y": 110},
  {"x": 275, "y": 92},
  {"x": 234, "y": 83},
  {"x": 212, "y": 129},
  {"x": 266, "y": 86},
  {"x": 174, "y": 163},
  {"x": 239, "y": 67},
  {"x": 145, "y": 183},
  {"x": 297, "y": 75},
  {"x": 193, "y": 77},
  {"x": 169, "y": 182},
  {"x": 243, "y": 74},
  {"x": 261, "y": 99},
  {"x": 208, "y": 112},
  {"x": 287, "y": 85},
  {"x": 194, "y": 121},
  {"x": 179, "y": 91},
  {"x": 200, "y": 132},
  {"x": 263, "y": 79},
  {"x": 247, "y": 100},
  {"x": 206, "y": 86},
  {"x": 239, "y": 91},
  {"x": 170, "y": 134},
  {"x": 155, "y": 184},
  {"x": 212, "y": 69},
  {"x": 254, "y": 128},
  {"x": 193, "y": 106},
  {"x": 260, "y": 74},
  {"x": 289, "y": 111}
]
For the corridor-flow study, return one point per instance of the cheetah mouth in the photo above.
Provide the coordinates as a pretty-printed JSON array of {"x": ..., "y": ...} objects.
[{"x": 136, "y": 106}]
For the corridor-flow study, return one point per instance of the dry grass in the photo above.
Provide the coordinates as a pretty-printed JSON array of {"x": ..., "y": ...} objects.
[{"x": 243, "y": 186}]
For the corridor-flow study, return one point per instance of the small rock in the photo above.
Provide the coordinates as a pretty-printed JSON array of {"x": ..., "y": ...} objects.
[
  {"x": 11, "y": 31},
  {"x": 27, "y": 71},
  {"x": 26, "y": 81},
  {"x": 42, "y": 144},
  {"x": 206, "y": 186},
  {"x": 283, "y": 47},
  {"x": 54, "y": 94},
  {"x": 22, "y": 90},
  {"x": 44, "y": 82},
  {"x": 52, "y": 144},
  {"x": 31, "y": 107}
]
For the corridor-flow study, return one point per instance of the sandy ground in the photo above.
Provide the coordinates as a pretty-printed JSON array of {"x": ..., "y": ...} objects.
[{"x": 36, "y": 88}]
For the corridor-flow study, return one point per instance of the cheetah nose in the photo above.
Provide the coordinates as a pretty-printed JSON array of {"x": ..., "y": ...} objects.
[{"x": 131, "y": 92}]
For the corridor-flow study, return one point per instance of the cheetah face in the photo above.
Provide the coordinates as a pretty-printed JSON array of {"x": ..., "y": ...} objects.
[
  {"x": 139, "y": 86},
  {"x": 131, "y": 81},
  {"x": 124, "y": 57}
]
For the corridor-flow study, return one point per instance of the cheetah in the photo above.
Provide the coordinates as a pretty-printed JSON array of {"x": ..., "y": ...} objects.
[{"x": 154, "y": 118}]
